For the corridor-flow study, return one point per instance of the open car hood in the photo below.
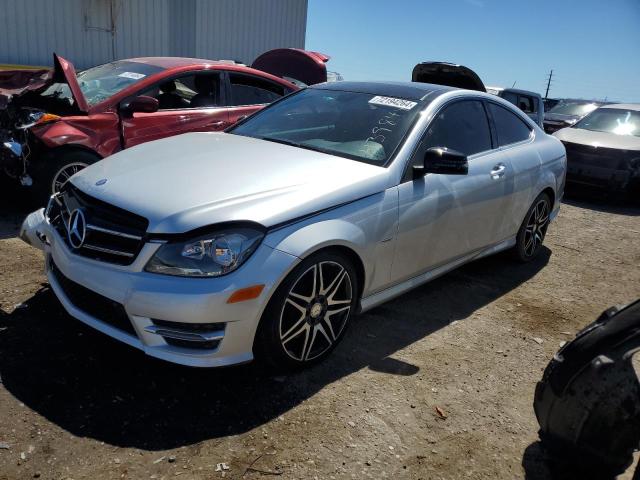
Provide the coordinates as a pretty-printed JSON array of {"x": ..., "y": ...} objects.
[
  {"x": 65, "y": 72},
  {"x": 294, "y": 63},
  {"x": 449, "y": 74}
]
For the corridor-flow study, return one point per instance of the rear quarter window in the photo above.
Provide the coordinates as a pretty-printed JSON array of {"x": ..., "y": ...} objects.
[{"x": 509, "y": 127}]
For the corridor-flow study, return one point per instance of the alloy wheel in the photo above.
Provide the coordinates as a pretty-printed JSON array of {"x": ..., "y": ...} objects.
[
  {"x": 315, "y": 311},
  {"x": 64, "y": 174},
  {"x": 536, "y": 228}
]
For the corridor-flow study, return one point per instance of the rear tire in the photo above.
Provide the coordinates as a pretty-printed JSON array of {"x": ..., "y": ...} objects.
[
  {"x": 533, "y": 229},
  {"x": 55, "y": 169},
  {"x": 309, "y": 312}
]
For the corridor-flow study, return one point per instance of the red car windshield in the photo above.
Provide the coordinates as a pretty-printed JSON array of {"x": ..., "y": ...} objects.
[{"x": 101, "y": 82}]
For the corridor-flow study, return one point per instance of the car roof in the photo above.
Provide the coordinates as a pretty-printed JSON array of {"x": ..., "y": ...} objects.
[
  {"x": 515, "y": 90},
  {"x": 624, "y": 106},
  {"x": 408, "y": 90},
  {"x": 173, "y": 62}
]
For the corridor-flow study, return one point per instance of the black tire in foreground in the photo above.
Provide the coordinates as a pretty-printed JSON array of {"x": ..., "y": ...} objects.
[
  {"x": 309, "y": 312},
  {"x": 588, "y": 402},
  {"x": 54, "y": 169},
  {"x": 533, "y": 229}
]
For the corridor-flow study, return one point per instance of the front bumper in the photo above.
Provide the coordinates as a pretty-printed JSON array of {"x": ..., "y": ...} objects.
[
  {"x": 146, "y": 297},
  {"x": 599, "y": 176}
]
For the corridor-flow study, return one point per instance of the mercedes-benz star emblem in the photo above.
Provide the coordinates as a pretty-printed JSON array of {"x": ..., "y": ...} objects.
[{"x": 77, "y": 228}]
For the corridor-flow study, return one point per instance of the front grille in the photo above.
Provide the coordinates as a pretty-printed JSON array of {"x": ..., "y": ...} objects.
[
  {"x": 112, "y": 234},
  {"x": 92, "y": 303},
  {"x": 613, "y": 158}
]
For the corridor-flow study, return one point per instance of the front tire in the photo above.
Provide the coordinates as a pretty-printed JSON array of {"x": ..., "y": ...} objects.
[
  {"x": 56, "y": 169},
  {"x": 309, "y": 313},
  {"x": 533, "y": 229}
]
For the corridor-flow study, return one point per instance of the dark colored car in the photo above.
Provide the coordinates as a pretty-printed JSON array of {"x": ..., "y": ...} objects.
[
  {"x": 588, "y": 401},
  {"x": 603, "y": 149},
  {"x": 567, "y": 113},
  {"x": 56, "y": 122}
]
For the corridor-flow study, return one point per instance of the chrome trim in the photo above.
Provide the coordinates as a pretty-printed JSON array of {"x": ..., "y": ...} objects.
[
  {"x": 187, "y": 336},
  {"x": 107, "y": 250},
  {"x": 112, "y": 232}
]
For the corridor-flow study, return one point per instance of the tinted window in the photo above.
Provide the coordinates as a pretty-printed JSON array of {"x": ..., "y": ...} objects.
[
  {"x": 359, "y": 126},
  {"x": 248, "y": 90},
  {"x": 462, "y": 126},
  {"x": 189, "y": 91},
  {"x": 525, "y": 104},
  {"x": 510, "y": 128}
]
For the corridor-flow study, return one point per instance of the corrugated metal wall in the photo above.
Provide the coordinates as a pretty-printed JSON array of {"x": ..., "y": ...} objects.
[{"x": 89, "y": 32}]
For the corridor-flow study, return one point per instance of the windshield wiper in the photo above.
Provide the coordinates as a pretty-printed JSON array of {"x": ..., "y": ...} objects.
[
  {"x": 291, "y": 143},
  {"x": 280, "y": 140}
]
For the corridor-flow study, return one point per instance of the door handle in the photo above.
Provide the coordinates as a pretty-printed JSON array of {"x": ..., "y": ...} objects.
[
  {"x": 218, "y": 124},
  {"x": 498, "y": 171}
]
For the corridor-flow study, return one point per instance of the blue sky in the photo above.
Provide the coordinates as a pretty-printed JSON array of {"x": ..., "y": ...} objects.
[{"x": 593, "y": 46}]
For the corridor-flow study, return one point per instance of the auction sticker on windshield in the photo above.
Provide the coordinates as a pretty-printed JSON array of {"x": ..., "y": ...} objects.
[
  {"x": 393, "y": 102},
  {"x": 132, "y": 75}
]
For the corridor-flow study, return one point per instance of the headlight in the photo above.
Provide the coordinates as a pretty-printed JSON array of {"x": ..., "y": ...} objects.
[{"x": 210, "y": 255}]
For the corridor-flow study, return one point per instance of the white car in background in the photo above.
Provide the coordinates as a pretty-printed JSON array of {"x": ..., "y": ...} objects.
[{"x": 603, "y": 149}]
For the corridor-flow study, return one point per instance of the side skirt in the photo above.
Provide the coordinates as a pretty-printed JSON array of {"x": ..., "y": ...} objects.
[{"x": 367, "y": 303}]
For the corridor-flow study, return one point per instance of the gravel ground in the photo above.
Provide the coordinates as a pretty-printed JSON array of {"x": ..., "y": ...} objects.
[{"x": 436, "y": 384}]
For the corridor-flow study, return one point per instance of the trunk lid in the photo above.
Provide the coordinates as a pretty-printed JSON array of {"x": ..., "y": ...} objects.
[
  {"x": 449, "y": 74},
  {"x": 301, "y": 65}
]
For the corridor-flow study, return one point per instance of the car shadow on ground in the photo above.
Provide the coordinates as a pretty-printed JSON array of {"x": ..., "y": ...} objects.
[
  {"x": 602, "y": 201},
  {"x": 95, "y": 387}
]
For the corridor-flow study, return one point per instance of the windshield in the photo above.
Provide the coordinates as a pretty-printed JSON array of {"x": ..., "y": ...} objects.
[
  {"x": 360, "y": 126},
  {"x": 612, "y": 120},
  {"x": 574, "y": 108},
  {"x": 101, "y": 82}
]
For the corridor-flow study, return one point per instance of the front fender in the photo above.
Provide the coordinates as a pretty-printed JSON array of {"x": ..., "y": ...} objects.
[
  {"x": 98, "y": 133},
  {"x": 316, "y": 236},
  {"x": 366, "y": 227}
]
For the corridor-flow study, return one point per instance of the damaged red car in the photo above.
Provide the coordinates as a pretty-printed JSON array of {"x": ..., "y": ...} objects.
[{"x": 55, "y": 122}]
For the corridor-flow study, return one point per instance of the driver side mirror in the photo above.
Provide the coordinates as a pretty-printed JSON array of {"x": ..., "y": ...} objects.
[
  {"x": 444, "y": 161},
  {"x": 140, "y": 104}
]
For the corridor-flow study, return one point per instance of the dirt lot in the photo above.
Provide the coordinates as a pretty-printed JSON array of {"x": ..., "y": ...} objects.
[{"x": 75, "y": 404}]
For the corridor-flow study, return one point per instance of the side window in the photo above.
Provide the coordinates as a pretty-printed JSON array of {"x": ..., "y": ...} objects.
[
  {"x": 525, "y": 104},
  {"x": 250, "y": 90},
  {"x": 189, "y": 91},
  {"x": 509, "y": 127},
  {"x": 462, "y": 126},
  {"x": 510, "y": 97}
]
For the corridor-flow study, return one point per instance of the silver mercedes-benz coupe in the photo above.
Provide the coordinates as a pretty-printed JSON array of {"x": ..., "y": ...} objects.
[{"x": 208, "y": 249}]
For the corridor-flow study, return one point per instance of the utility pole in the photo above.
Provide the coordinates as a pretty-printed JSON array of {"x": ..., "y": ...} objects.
[{"x": 546, "y": 95}]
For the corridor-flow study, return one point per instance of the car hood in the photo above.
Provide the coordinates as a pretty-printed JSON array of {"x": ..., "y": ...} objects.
[
  {"x": 561, "y": 117},
  {"x": 197, "y": 179},
  {"x": 599, "y": 139}
]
